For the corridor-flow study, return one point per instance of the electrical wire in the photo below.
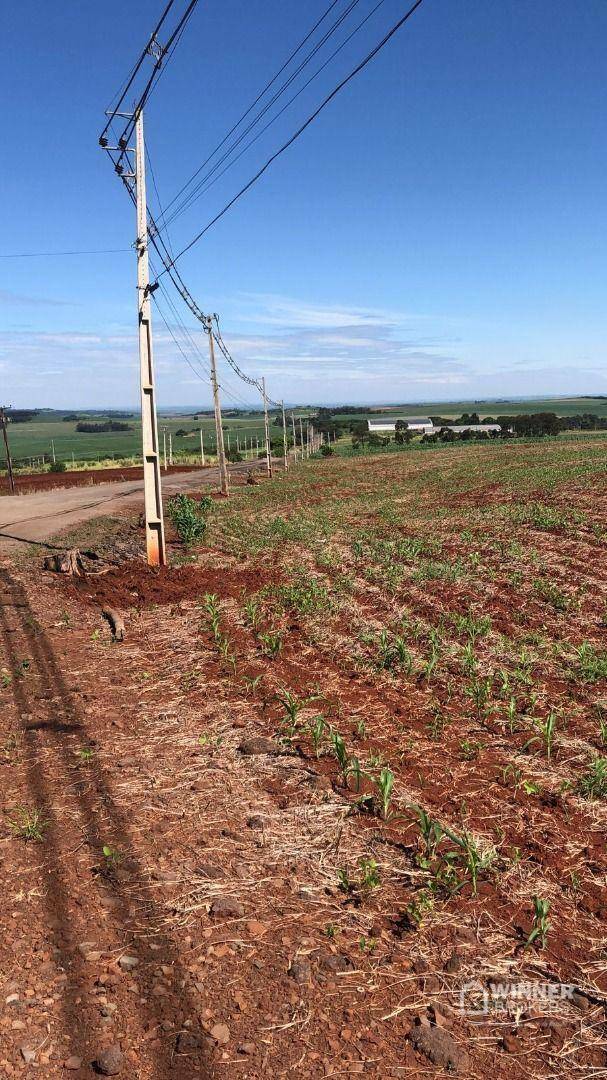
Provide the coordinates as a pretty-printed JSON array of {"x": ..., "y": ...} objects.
[
  {"x": 351, "y": 75},
  {"x": 256, "y": 101},
  {"x": 135, "y": 70},
  {"x": 57, "y": 254},
  {"x": 193, "y": 198},
  {"x": 262, "y": 112}
]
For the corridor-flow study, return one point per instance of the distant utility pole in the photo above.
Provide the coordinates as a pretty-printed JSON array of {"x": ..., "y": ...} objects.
[
  {"x": 284, "y": 436},
  {"x": 221, "y": 455},
  {"x": 201, "y": 449},
  {"x": 154, "y": 522},
  {"x": 301, "y": 442},
  {"x": 266, "y": 424},
  {"x": 294, "y": 438},
  {"x": 53, "y": 450},
  {"x": 164, "y": 447},
  {"x": 170, "y": 447},
  {"x": 9, "y": 460}
]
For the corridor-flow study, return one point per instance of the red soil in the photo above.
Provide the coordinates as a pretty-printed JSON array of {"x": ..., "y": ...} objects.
[{"x": 81, "y": 478}]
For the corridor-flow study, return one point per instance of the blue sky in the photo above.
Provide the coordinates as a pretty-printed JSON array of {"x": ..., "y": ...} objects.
[{"x": 438, "y": 233}]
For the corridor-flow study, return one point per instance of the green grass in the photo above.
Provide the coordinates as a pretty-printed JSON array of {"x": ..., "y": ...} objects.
[{"x": 33, "y": 439}]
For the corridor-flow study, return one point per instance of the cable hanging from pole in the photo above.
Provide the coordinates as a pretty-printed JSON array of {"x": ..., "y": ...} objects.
[{"x": 300, "y": 130}]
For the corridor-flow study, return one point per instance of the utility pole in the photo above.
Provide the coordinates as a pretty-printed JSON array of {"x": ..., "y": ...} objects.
[
  {"x": 221, "y": 456},
  {"x": 53, "y": 450},
  {"x": 9, "y": 460},
  {"x": 266, "y": 424},
  {"x": 164, "y": 446},
  {"x": 294, "y": 438},
  {"x": 154, "y": 523},
  {"x": 170, "y": 447},
  {"x": 284, "y": 437},
  {"x": 201, "y": 449},
  {"x": 301, "y": 442}
]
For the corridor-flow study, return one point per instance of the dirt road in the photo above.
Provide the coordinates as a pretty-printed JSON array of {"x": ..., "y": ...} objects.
[{"x": 34, "y": 518}]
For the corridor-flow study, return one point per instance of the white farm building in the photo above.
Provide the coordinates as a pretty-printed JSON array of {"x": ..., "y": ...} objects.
[{"x": 387, "y": 425}]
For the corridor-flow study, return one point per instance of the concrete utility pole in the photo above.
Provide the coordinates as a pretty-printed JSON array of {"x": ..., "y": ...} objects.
[
  {"x": 201, "y": 449},
  {"x": 301, "y": 442},
  {"x": 284, "y": 437},
  {"x": 170, "y": 447},
  {"x": 266, "y": 424},
  {"x": 294, "y": 438},
  {"x": 53, "y": 450},
  {"x": 9, "y": 460},
  {"x": 221, "y": 455},
  {"x": 164, "y": 447},
  {"x": 154, "y": 522}
]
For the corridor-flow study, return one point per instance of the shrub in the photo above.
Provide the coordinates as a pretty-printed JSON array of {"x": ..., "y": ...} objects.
[
  {"x": 58, "y": 467},
  {"x": 189, "y": 518},
  {"x": 327, "y": 450}
]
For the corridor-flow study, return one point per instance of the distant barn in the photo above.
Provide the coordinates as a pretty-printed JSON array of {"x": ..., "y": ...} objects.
[{"x": 418, "y": 424}]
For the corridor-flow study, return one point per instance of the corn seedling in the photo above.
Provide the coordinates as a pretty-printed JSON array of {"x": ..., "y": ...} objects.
[
  {"x": 252, "y": 610},
  {"x": 547, "y": 730},
  {"x": 111, "y": 855},
  {"x": 431, "y": 831},
  {"x": 251, "y": 683},
  {"x": 479, "y": 691},
  {"x": 28, "y": 823},
  {"x": 541, "y": 925},
  {"x": 417, "y": 910},
  {"x": 211, "y": 606},
  {"x": 593, "y": 784},
  {"x": 339, "y": 749},
  {"x": 271, "y": 643},
  {"x": 370, "y": 878},
  {"x": 85, "y": 754},
  {"x": 318, "y": 731},
  {"x": 474, "y": 860}
]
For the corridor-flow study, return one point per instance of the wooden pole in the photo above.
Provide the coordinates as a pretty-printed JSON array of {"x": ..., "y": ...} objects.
[
  {"x": 201, "y": 449},
  {"x": 9, "y": 460}
]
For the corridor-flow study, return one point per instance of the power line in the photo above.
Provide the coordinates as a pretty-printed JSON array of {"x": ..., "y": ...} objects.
[
  {"x": 57, "y": 254},
  {"x": 262, "y": 112},
  {"x": 257, "y": 99},
  {"x": 352, "y": 74},
  {"x": 201, "y": 191},
  {"x": 161, "y": 54}
]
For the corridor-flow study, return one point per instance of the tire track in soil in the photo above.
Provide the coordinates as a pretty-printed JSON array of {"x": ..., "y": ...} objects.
[{"x": 53, "y": 738}]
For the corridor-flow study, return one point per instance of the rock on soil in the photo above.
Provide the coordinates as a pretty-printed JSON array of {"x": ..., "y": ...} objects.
[
  {"x": 300, "y": 970},
  {"x": 440, "y": 1048},
  {"x": 110, "y": 1061},
  {"x": 226, "y": 907},
  {"x": 221, "y": 1033},
  {"x": 259, "y": 745},
  {"x": 128, "y": 963}
]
